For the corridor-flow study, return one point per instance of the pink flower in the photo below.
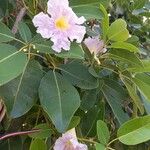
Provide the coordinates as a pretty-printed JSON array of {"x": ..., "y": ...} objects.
[
  {"x": 62, "y": 26},
  {"x": 95, "y": 45},
  {"x": 68, "y": 142}
]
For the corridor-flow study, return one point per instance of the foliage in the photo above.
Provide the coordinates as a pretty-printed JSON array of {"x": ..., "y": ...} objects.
[{"x": 106, "y": 99}]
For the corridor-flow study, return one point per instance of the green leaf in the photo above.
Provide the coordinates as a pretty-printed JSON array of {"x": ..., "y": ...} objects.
[
  {"x": 24, "y": 32},
  {"x": 88, "y": 11},
  {"x": 103, "y": 132},
  {"x": 105, "y": 3},
  {"x": 118, "y": 31},
  {"x": 86, "y": 8},
  {"x": 79, "y": 76},
  {"x": 11, "y": 143},
  {"x": 12, "y": 63},
  {"x": 59, "y": 99},
  {"x": 139, "y": 4},
  {"x": 142, "y": 69},
  {"x": 124, "y": 45},
  {"x": 146, "y": 104},
  {"x": 126, "y": 57},
  {"x": 4, "y": 7},
  {"x": 38, "y": 144},
  {"x": 89, "y": 98},
  {"x": 143, "y": 83},
  {"x": 44, "y": 132},
  {"x": 5, "y": 33},
  {"x": 75, "y": 52},
  {"x": 105, "y": 22},
  {"x": 133, "y": 40},
  {"x": 132, "y": 92},
  {"x": 89, "y": 121},
  {"x": 21, "y": 93},
  {"x": 146, "y": 14},
  {"x": 44, "y": 46},
  {"x": 135, "y": 131},
  {"x": 115, "y": 96},
  {"x": 100, "y": 146},
  {"x": 74, "y": 122}
]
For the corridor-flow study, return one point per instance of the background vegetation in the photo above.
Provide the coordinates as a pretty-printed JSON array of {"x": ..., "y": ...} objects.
[{"x": 115, "y": 94}]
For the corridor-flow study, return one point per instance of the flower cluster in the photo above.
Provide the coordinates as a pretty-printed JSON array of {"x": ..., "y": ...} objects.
[{"x": 61, "y": 25}]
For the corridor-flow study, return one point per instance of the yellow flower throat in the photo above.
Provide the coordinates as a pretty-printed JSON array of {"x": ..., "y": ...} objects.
[{"x": 62, "y": 23}]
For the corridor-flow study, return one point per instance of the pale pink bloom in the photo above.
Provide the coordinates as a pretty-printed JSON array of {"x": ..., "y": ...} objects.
[
  {"x": 68, "y": 142},
  {"x": 61, "y": 25},
  {"x": 95, "y": 45}
]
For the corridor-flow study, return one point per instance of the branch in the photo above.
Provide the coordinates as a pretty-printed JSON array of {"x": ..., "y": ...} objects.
[
  {"x": 18, "y": 133},
  {"x": 18, "y": 19}
]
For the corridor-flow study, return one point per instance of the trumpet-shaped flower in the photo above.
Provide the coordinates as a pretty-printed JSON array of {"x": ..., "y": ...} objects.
[
  {"x": 68, "y": 142},
  {"x": 95, "y": 45},
  {"x": 61, "y": 25}
]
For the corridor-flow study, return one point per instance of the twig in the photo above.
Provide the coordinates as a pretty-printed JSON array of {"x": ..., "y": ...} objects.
[
  {"x": 18, "y": 133},
  {"x": 18, "y": 19}
]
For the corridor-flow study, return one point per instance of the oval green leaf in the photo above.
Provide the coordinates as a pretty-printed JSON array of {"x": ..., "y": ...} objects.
[
  {"x": 59, "y": 99},
  {"x": 100, "y": 146},
  {"x": 75, "y": 52},
  {"x": 124, "y": 45},
  {"x": 144, "y": 68},
  {"x": 21, "y": 93},
  {"x": 86, "y": 8},
  {"x": 79, "y": 76},
  {"x": 115, "y": 95},
  {"x": 38, "y": 144},
  {"x": 133, "y": 94},
  {"x": 5, "y": 33},
  {"x": 88, "y": 11},
  {"x": 135, "y": 131},
  {"x": 126, "y": 57},
  {"x": 12, "y": 63},
  {"x": 74, "y": 122},
  {"x": 105, "y": 21},
  {"x": 143, "y": 83},
  {"x": 118, "y": 31},
  {"x": 24, "y": 32},
  {"x": 103, "y": 132},
  {"x": 44, "y": 132}
]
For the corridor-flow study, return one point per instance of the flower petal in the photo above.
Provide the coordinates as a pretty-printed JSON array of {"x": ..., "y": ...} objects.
[
  {"x": 43, "y": 23},
  {"x": 77, "y": 33},
  {"x": 60, "y": 44},
  {"x": 52, "y": 4},
  {"x": 81, "y": 147},
  {"x": 80, "y": 20}
]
